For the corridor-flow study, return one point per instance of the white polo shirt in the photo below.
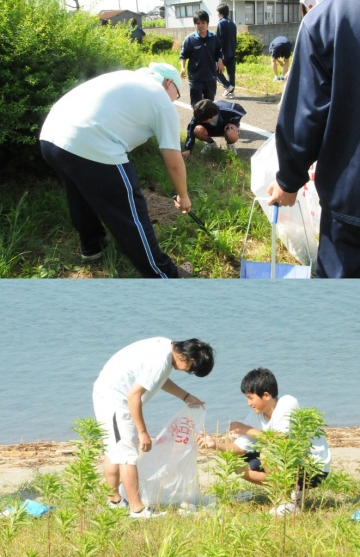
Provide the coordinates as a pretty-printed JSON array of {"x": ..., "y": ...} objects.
[
  {"x": 106, "y": 117},
  {"x": 280, "y": 421},
  {"x": 147, "y": 362}
]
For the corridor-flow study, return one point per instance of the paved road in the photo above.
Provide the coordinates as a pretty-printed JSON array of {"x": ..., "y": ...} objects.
[{"x": 256, "y": 125}]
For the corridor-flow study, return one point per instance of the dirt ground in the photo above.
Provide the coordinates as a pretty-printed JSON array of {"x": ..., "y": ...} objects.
[{"x": 19, "y": 463}]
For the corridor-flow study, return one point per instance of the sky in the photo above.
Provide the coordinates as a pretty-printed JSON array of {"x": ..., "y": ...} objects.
[{"x": 96, "y": 6}]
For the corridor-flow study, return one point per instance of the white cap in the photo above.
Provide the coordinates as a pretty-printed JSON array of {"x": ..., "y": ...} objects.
[{"x": 161, "y": 71}]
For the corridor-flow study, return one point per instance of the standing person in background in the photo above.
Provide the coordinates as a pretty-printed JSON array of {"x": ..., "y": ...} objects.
[
  {"x": 203, "y": 51},
  {"x": 138, "y": 33},
  {"x": 280, "y": 47},
  {"x": 319, "y": 120},
  {"x": 226, "y": 33},
  {"x": 127, "y": 381},
  {"x": 86, "y": 139}
]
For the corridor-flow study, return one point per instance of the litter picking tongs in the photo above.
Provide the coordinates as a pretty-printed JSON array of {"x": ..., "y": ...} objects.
[
  {"x": 274, "y": 219},
  {"x": 198, "y": 221}
]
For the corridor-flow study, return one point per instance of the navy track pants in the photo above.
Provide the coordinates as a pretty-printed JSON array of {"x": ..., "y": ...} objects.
[{"x": 103, "y": 193}]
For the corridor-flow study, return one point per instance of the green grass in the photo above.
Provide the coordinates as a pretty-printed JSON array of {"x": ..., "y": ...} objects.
[
  {"x": 323, "y": 529},
  {"x": 37, "y": 239}
]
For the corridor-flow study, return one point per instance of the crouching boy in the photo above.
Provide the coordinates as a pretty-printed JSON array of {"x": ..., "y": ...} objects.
[
  {"x": 214, "y": 119},
  {"x": 268, "y": 413}
]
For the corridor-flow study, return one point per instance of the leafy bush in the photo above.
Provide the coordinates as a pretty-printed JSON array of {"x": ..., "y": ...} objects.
[
  {"x": 44, "y": 52},
  {"x": 157, "y": 43},
  {"x": 151, "y": 23},
  {"x": 248, "y": 45}
]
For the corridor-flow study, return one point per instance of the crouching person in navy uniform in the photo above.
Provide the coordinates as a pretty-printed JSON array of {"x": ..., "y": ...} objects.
[
  {"x": 214, "y": 119},
  {"x": 86, "y": 139}
]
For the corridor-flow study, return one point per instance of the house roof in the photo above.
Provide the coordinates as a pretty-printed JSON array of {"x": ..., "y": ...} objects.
[{"x": 107, "y": 14}]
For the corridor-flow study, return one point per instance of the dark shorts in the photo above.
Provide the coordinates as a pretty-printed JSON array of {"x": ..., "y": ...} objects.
[
  {"x": 281, "y": 50},
  {"x": 254, "y": 462}
]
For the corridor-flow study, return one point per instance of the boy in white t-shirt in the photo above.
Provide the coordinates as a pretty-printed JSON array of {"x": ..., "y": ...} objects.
[
  {"x": 268, "y": 413},
  {"x": 127, "y": 381}
]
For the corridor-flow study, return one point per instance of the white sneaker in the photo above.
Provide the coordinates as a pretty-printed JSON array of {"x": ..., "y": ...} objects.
[
  {"x": 231, "y": 147},
  {"x": 244, "y": 496},
  {"x": 208, "y": 148},
  {"x": 230, "y": 96},
  {"x": 122, "y": 504},
  {"x": 228, "y": 91},
  {"x": 285, "y": 508},
  {"x": 146, "y": 513}
]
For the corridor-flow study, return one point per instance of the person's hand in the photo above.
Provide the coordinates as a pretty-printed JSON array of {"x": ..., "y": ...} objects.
[
  {"x": 279, "y": 196},
  {"x": 186, "y": 154},
  {"x": 220, "y": 66},
  {"x": 190, "y": 399},
  {"x": 205, "y": 441},
  {"x": 183, "y": 203},
  {"x": 144, "y": 442},
  {"x": 183, "y": 73}
]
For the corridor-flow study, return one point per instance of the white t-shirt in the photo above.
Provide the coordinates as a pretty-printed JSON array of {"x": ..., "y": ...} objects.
[
  {"x": 147, "y": 362},
  {"x": 280, "y": 421},
  {"x": 106, "y": 117}
]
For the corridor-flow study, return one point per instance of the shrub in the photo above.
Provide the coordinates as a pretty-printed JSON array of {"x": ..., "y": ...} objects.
[
  {"x": 151, "y": 23},
  {"x": 248, "y": 45},
  {"x": 154, "y": 44},
  {"x": 44, "y": 52}
]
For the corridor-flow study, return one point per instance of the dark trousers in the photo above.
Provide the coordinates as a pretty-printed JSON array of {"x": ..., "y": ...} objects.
[
  {"x": 230, "y": 66},
  {"x": 110, "y": 194},
  {"x": 202, "y": 90},
  {"x": 339, "y": 249}
]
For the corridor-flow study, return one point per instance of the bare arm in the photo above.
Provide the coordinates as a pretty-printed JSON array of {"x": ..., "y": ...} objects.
[
  {"x": 243, "y": 429},
  {"x": 135, "y": 409},
  {"x": 175, "y": 167},
  {"x": 174, "y": 389},
  {"x": 208, "y": 442}
]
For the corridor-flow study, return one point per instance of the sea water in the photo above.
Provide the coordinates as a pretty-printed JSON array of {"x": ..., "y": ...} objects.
[{"x": 55, "y": 336}]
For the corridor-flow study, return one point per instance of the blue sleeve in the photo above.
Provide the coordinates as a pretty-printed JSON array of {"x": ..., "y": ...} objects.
[
  {"x": 185, "y": 51},
  {"x": 304, "y": 112},
  {"x": 190, "y": 138}
]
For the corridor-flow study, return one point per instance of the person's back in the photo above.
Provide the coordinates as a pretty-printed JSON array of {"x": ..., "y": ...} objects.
[
  {"x": 137, "y": 34},
  {"x": 324, "y": 97}
]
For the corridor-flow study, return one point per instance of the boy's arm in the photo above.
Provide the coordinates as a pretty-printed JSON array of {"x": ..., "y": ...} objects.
[
  {"x": 173, "y": 389},
  {"x": 208, "y": 442},
  {"x": 190, "y": 139},
  {"x": 243, "y": 429}
]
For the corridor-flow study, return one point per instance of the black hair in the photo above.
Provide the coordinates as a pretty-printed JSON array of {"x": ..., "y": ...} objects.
[
  {"x": 205, "y": 109},
  {"x": 260, "y": 381},
  {"x": 304, "y": 10},
  {"x": 223, "y": 9},
  {"x": 200, "y": 352},
  {"x": 201, "y": 15}
]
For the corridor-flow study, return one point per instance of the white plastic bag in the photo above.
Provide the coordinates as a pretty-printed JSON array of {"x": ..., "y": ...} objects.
[
  {"x": 168, "y": 473},
  {"x": 290, "y": 228}
]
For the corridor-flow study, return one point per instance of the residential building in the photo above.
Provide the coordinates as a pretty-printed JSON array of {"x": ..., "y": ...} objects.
[{"x": 179, "y": 13}]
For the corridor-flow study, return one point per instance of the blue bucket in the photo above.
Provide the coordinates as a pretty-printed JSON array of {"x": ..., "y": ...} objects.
[{"x": 273, "y": 270}]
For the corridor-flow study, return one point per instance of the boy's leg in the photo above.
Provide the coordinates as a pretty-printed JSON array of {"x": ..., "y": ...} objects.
[
  {"x": 196, "y": 91},
  {"x": 274, "y": 66},
  {"x": 222, "y": 79},
  {"x": 231, "y": 68},
  {"x": 286, "y": 66},
  {"x": 130, "y": 480},
  {"x": 202, "y": 134},
  {"x": 210, "y": 89},
  {"x": 112, "y": 478}
]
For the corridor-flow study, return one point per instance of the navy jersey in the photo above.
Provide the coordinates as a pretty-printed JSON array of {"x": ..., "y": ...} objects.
[
  {"x": 203, "y": 54},
  {"x": 229, "y": 113},
  {"x": 226, "y": 32},
  {"x": 319, "y": 119}
]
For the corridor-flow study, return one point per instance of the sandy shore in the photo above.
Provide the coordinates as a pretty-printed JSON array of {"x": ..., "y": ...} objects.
[{"x": 19, "y": 463}]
